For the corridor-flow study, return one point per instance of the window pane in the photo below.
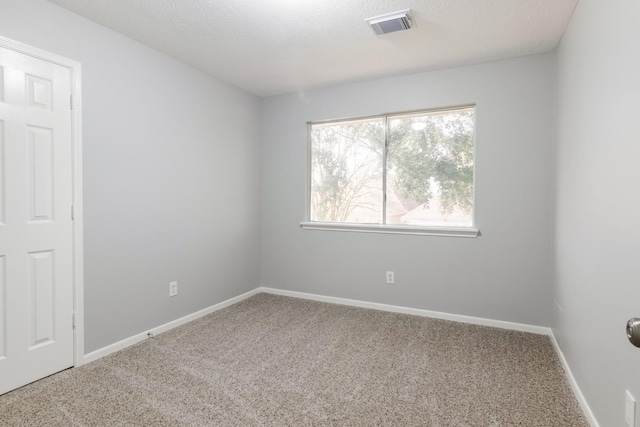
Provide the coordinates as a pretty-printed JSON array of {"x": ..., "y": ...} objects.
[
  {"x": 430, "y": 169},
  {"x": 346, "y": 171}
]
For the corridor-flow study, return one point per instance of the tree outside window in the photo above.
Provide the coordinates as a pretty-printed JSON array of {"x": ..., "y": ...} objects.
[{"x": 410, "y": 169}]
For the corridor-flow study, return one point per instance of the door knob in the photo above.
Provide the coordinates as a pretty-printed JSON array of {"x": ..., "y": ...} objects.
[{"x": 633, "y": 331}]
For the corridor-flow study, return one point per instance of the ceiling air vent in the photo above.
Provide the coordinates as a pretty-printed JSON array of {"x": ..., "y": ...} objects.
[{"x": 396, "y": 21}]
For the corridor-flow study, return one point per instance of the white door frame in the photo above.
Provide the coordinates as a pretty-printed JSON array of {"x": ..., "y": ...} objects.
[{"x": 76, "y": 144}]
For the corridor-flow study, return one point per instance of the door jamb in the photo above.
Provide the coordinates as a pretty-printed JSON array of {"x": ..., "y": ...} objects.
[{"x": 76, "y": 144}]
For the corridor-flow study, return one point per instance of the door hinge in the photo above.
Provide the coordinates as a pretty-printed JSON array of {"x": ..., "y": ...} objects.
[
  {"x": 73, "y": 213},
  {"x": 73, "y": 320},
  {"x": 71, "y": 101}
]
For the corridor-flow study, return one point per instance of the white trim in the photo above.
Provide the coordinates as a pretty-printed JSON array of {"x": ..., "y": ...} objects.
[
  {"x": 540, "y": 330},
  {"x": 425, "y": 230},
  {"x": 392, "y": 229},
  {"x": 95, "y": 355},
  {"x": 414, "y": 311},
  {"x": 78, "y": 214},
  {"x": 574, "y": 384},
  {"x": 37, "y": 53},
  {"x": 76, "y": 140}
]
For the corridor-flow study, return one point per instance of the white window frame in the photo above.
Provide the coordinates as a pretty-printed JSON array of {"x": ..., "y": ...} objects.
[{"x": 307, "y": 224}]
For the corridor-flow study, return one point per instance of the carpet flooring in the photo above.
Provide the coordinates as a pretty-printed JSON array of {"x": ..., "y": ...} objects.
[{"x": 273, "y": 360}]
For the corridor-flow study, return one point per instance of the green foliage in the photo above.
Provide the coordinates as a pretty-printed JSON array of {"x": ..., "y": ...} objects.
[
  {"x": 347, "y": 164},
  {"x": 438, "y": 157},
  {"x": 346, "y": 167}
]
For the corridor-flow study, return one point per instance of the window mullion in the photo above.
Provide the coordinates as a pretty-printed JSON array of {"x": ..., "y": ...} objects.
[{"x": 384, "y": 170}]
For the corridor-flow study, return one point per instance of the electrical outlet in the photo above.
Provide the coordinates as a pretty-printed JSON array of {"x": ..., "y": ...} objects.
[
  {"x": 173, "y": 289},
  {"x": 630, "y": 410},
  {"x": 390, "y": 278}
]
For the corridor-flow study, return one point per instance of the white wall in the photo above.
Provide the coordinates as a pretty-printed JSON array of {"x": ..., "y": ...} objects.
[
  {"x": 504, "y": 274},
  {"x": 172, "y": 162},
  {"x": 171, "y": 176},
  {"x": 598, "y": 202}
]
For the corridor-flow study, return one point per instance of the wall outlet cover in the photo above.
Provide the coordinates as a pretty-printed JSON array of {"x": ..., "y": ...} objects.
[
  {"x": 630, "y": 410},
  {"x": 390, "y": 277},
  {"x": 173, "y": 289}
]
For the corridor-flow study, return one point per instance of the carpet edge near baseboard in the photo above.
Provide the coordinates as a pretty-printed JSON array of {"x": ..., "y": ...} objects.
[
  {"x": 577, "y": 392},
  {"x": 521, "y": 327},
  {"x": 127, "y": 342}
]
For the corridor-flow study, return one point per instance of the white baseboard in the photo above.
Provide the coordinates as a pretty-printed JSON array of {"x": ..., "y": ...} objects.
[
  {"x": 414, "y": 311},
  {"x": 95, "y": 355},
  {"x": 455, "y": 318},
  {"x": 574, "y": 384}
]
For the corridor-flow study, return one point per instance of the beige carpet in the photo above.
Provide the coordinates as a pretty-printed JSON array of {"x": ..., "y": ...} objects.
[{"x": 273, "y": 360}]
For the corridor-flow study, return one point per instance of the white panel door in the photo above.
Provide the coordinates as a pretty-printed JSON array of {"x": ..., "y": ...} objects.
[{"x": 36, "y": 240}]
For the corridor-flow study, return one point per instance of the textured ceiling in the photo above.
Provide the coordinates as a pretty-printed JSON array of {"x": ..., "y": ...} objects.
[{"x": 276, "y": 46}]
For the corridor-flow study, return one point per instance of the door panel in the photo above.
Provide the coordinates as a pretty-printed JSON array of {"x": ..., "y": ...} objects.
[
  {"x": 40, "y": 173},
  {"x": 41, "y": 303},
  {"x": 36, "y": 240},
  {"x": 2, "y": 167},
  {"x": 3, "y": 311}
]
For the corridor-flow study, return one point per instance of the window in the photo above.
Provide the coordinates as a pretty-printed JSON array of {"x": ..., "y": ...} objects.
[{"x": 409, "y": 172}]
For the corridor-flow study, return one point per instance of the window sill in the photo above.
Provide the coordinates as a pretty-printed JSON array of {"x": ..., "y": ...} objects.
[{"x": 392, "y": 229}]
